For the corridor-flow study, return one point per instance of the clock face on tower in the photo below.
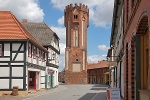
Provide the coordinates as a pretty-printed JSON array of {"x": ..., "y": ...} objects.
[{"x": 76, "y": 21}]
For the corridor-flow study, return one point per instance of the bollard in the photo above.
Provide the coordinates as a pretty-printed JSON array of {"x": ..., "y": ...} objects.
[{"x": 15, "y": 91}]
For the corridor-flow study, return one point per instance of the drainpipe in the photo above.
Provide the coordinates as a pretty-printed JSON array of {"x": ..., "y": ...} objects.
[
  {"x": 116, "y": 76},
  {"x": 120, "y": 79}
]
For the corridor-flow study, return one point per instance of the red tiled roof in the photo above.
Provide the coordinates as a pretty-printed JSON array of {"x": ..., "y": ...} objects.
[
  {"x": 100, "y": 64},
  {"x": 12, "y": 29}
]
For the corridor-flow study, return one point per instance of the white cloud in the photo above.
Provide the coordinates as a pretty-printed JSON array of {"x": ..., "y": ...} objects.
[
  {"x": 100, "y": 11},
  {"x": 62, "y": 48},
  {"x": 24, "y": 9},
  {"x": 61, "y": 32},
  {"x": 61, "y": 21},
  {"x": 103, "y": 13},
  {"x": 103, "y": 47},
  {"x": 96, "y": 58},
  {"x": 61, "y": 63}
]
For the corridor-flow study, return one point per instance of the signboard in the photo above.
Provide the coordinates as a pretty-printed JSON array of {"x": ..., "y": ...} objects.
[
  {"x": 113, "y": 94},
  {"x": 112, "y": 63},
  {"x": 50, "y": 71}
]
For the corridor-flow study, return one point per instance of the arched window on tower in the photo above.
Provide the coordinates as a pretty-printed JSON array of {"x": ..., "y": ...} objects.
[
  {"x": 75, "y": 37},
  {"x": 75, "y": 16}
]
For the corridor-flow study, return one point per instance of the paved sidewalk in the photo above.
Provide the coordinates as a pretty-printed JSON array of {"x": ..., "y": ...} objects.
[
  {"x": 32, "y": 95},
  {"x": 66, "y": 92}
]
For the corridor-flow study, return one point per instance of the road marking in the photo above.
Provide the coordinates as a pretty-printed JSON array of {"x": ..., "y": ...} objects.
[{"x": 98, "y": 93}]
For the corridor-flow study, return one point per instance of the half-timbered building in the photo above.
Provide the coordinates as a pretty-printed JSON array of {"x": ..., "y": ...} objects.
[
  {"x": 50, "y": 41},
  {"x": 22, "y": 57}
]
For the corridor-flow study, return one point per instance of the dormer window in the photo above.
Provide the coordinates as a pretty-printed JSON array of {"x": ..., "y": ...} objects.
[{"x": 75, "y": 16}]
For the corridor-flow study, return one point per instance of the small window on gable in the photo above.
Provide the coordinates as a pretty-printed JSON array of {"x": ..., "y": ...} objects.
[
  {"x": 1, "y": 52},
  {"x": 75, "y": 16},
  {"x": 29, "y": 50}
]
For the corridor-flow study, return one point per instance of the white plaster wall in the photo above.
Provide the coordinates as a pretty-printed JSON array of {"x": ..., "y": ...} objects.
[
  {"x": 112, "y": 78},
  {"x": 20, "y": 56},
  {"x": 56, "y": 57},
  {"x": 17, "y": 82},
  {"x": 32, "y": 69},
  {"x": 29, "y": 59},
  {"x": 15, "y": 47},
  {"x": 42, "y": 73},
  {"x": 4, "y": 83},
  {"x": 6, "y": 49},
  {"x": 3, "y": 63},
  {"x": 17, "y": 71},
  {"x": 42, "y": 80},
  {"x": 55, "y": 76},
  {"x": 4, "y": 59},
  {"x": 27, "y": 77},
  {"x": 38, "y": 80},
  {"x": 4, "y": 71},
  {"x": 17, "y": 64},
  {"x": 34, "y": 61}
]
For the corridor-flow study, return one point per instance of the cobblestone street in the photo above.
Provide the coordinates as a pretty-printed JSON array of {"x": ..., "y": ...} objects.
[{"x": 66, "y": 92}]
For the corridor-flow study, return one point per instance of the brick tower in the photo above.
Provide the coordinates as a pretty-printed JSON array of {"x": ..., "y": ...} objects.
[{"x": 76, "y": 20}]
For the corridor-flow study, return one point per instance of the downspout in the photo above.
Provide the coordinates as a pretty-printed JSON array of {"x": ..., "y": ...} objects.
[
  {"x": 116, "y": 76},
  {"x": 120, "y": 79}
]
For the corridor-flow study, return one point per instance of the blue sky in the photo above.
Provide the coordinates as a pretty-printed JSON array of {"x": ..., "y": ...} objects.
[{"x": 52, "y": 11}]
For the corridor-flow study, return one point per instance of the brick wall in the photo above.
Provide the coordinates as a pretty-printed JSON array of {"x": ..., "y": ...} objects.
[
  {"x": 76, "y": 53},
  {"x": 134, "y": 26}
]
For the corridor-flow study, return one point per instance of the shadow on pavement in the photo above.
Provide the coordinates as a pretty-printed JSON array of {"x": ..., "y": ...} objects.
[
  {"x": 98, "y": 89},
  {"x": 100, "y": 96},
  {"x": 100, "y": 85},
  {"x": 87, "y": 96}
]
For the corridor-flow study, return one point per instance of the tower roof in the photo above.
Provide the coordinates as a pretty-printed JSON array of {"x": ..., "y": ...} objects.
[{"x": 81, "y": 7}]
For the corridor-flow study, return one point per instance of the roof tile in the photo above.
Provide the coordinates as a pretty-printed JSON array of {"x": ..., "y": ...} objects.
[
  {"x": 11, "y": 28},
  {"x": 100, "y": 64}
]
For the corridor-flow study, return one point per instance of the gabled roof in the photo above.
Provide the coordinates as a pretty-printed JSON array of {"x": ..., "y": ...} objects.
[
  {"x": 100, "y": 64},
  {"x": 40, "y": 31},
  {"x": 12, "y": 29}
]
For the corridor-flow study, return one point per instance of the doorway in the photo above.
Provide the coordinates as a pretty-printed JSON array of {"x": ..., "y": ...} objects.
[{"x": 31, "y": 80}]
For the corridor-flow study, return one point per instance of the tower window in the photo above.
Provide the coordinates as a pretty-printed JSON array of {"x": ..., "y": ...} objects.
[
  {"x": 75, "y": 16},
  {"x": 76, "y": 38}
]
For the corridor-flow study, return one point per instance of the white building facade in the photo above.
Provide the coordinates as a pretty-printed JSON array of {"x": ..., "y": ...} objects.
[
  {"x": 50, "y": 41},
  {"x": 116, "y": 50},
  {"x": 22, "y": 57}
]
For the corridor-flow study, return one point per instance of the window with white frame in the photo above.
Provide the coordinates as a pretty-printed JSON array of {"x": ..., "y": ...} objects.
[
  {"x": 76, "y": 37},
  {"x": 29, "y": 50},
  {"x": 34, "y": 52},
  {"x": 43, "y": 56}
]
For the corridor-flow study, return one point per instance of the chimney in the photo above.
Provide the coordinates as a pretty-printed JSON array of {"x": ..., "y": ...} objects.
[{"x": 24, "y": 21}]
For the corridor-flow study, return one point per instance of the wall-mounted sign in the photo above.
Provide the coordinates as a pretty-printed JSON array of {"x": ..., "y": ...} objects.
[
  {"x": 112, "y": 63},
  {"x": 50, "y": 71},
  {"x": 113, "y": 94}
]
